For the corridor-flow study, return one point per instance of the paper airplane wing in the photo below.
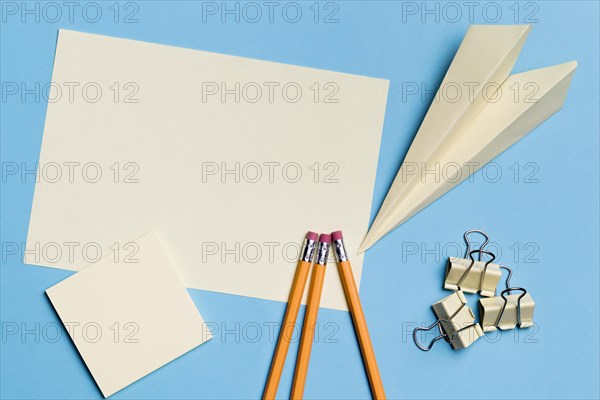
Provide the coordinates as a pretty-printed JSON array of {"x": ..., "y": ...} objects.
[
  {"x": 483, "y": 61},
  {"x": 502, "y": 122}
]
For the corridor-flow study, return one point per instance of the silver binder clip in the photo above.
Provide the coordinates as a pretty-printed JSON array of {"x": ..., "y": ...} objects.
[
  {"x": 507, "y": 312},
  {"x": 456, "y": 323}
]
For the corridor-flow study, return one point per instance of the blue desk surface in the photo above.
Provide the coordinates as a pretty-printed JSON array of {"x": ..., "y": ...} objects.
[{"x": 542, "y": 210}]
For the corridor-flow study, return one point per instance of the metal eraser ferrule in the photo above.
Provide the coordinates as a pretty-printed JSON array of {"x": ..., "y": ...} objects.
[
  {"x": 339, "y": 250},
  {"x": 308, "y": 250},
  {"x": 322, "y": 253}
]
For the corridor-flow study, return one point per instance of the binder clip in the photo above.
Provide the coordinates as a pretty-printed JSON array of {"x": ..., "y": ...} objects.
[
  {"x": 507, "y": 312},
  {"x": 473, "y": 276},
  {"x": 456, "y": 323}
]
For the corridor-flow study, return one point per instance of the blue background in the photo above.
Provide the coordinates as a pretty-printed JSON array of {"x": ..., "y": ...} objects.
[{"x": 543, "y": 219}]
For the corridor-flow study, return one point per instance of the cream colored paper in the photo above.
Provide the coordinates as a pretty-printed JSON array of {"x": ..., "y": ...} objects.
[
  {"x": 128, "y": 315},
  {"x": 461, "y": 136},
  {"x": 232, "y": 183},
  {"x": 476, "y": 67}
]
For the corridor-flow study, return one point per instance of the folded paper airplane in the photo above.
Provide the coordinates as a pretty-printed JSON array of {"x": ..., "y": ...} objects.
[{"x": 463, "y": 132}]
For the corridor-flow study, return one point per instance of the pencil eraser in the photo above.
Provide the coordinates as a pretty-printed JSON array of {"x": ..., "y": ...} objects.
[
  {"x": 324, "y": 238},
  {"x": 311, "y": 236},
  {"x": 337, "y": 235}
]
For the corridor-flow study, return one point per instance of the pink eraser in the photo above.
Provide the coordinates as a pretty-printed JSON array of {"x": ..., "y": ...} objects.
[
  {"x": 337, "y": 235},
  {"x": 311, "y": 235},
  {"x": 324, "y": 238}
]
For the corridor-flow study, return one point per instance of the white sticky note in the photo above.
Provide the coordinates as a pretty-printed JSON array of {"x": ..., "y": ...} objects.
[
  {"x": 128, "y": 314},
  {"x": 232, "y": 159}
]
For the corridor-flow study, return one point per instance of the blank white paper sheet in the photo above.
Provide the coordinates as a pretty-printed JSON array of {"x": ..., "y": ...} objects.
[
  {"x": 129, "y": 315},
  {"x": 232, "y": 159}
]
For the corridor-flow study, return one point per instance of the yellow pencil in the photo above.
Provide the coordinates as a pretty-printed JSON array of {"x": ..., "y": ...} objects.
[
  {"x": 358, "y": 317},
  {"x": 291, "y": 313},
  {"x": 310, "y": 317}
]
